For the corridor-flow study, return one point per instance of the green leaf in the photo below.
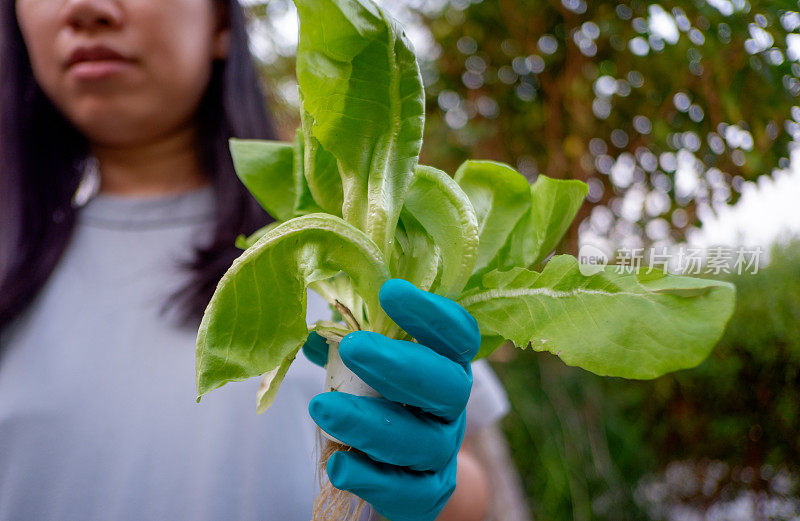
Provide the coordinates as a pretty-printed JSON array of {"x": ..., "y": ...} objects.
[
  {"x": 500, "y": 196},
  {"x": 304, "y": 202},
  {"x": 320, "y": 170},
  {"x": 256, "y": 320},
  {"x": 243, "y": 242},
  {"x": 444, "y": 210},
  {"x": 271, "y": 381},
  {"x": 267, "y": 170},
  {"x": 515, "y": 277},
  {"x": 417, "y": 258},
  {"x": 617, "y": 324},
  {"x": 555, "y": 202},
  {"x": 363, "y": 92}
]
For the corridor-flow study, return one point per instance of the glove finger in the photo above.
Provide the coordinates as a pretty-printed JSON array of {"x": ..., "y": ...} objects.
[
  {"x": 435, "y": 321},
  {"x": 316, "y": 349},
  {"x": 386, "y": 431},
  {"x": 395, "y": 492},
  {"x": 408, "y": 373}
]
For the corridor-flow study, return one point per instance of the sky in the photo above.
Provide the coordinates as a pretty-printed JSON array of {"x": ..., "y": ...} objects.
[{"x": 767, "y": 211}]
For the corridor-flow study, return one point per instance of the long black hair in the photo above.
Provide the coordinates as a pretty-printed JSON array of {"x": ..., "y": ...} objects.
[{"x": 40, "y": 167}]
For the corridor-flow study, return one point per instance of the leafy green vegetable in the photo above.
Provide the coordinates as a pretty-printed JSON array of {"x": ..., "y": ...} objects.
[
  {"x": 266, "y": 169},
  {"x": 418, "y": 257},
  {"x": 610, "y": 323},
  {"x": 554, "y": 206},
  {"x": 256, "y": 319},
  {"x": 474, "y": 238},
  {"x": 304, "y": 199},
  {"x": 273, "y": 172},
  {"x": 320, "y": 171},
  {"x": 500, "y": 196},
  {"x": 363, "y": 93},
  {"x": 437, "y": 202}
]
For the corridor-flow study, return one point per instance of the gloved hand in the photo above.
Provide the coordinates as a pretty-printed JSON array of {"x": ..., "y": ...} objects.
[{"x": 408, "y": 469}]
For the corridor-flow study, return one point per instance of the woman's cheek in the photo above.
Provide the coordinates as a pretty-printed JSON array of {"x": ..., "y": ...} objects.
[
  {"x": 39, "y": 24},
  {"x": 178, "y": 57}
]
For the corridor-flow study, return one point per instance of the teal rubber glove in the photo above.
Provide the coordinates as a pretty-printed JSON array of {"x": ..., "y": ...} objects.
[{"x": 410, "y": 437}]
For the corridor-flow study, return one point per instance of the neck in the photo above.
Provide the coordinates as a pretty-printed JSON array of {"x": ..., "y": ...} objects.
[{"x": 166, "y": 165}]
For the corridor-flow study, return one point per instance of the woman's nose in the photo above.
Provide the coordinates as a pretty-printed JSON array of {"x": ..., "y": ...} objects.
[{"x": 88, "y": 15}]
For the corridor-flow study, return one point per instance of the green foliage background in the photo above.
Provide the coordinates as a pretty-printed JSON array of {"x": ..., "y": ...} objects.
[{"x": 574, "y": 89}]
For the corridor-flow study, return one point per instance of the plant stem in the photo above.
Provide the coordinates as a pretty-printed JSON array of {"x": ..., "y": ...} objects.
[{"x": 347, "y": 315}]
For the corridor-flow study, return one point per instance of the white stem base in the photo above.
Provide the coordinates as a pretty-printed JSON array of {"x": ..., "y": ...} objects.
[{"x": 341, "y": 379}]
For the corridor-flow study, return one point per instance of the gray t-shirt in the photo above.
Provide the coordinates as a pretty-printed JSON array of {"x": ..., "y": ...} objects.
[{"x": 98, "y": 419}]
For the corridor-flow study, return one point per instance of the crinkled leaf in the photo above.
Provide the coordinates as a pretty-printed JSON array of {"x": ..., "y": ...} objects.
[
  {"x": 515, "y": 277},
  {"x": 444, "y": 210},
  {"x": 256, "y": 320},
  {"x": 417, "y": 257},
  {"x": 304, "y": 202},
  {"x": 555, "y": 202},
  {"x": 320, "y": 170},
  {"x": 500, "y": 196},
  {"x": 363, "y": 91},
  {"x": 618, "y": 324}
]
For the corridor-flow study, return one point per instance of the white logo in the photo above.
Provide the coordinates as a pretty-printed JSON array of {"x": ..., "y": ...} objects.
[{"x": 591, "y": 260}]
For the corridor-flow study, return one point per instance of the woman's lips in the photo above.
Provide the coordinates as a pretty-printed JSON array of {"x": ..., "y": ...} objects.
[
  {"x": 99, "y": 69},
  {"x": 96, "y": 63}
]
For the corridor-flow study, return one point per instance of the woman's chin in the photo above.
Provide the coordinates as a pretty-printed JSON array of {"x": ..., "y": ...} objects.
[{"x": 112, "y": 127}]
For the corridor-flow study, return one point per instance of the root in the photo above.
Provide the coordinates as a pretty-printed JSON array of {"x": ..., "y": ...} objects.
[{"x": 333, "y": 504}]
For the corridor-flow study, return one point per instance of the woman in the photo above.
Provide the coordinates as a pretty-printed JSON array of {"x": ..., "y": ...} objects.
[{"x": 97, "y": 412}]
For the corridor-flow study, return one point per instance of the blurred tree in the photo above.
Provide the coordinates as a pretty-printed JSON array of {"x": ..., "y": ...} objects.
[
  {"x": 662, "y": 108},
  {"x": 578, "y": 439},
  {"x": 741, "y": 405},
  {"x": 272, "y": 27}
]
